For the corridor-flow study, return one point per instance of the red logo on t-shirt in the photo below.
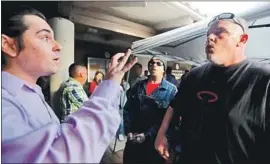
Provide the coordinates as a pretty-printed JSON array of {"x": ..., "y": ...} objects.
[{"x": 210, "y": 96}]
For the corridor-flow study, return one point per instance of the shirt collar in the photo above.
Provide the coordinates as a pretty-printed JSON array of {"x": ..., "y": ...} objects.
[
  {"x": 163, "y": 85},
  {"x": 74, "y": 81},
  {"x": 14, "y": 84}
]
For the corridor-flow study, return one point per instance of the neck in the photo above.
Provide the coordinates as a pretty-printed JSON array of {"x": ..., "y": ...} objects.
[
  {"x": 155, "y": 79},
  {"x": 79, "y": 80},
  {"x": 237, "y": 58},
  {"x": 15, "y": 71},
  {"x": 97, "y": 81}
]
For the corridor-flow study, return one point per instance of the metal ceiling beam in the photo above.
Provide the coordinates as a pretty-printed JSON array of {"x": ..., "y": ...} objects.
[{"x": 194, "y": 29}]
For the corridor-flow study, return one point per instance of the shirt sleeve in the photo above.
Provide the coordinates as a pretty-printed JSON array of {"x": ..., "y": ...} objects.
[{"x": 84, "y": 138}]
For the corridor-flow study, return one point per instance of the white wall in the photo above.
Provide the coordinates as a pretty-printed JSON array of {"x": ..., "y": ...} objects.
[{"x": 258, "y": 45}]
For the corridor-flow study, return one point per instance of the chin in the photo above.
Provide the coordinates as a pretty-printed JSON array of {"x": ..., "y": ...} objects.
[
  {"x": 53, "y": 71},
  {"x": 211, "y": 57},
  {"x": 216, "y": 62}
]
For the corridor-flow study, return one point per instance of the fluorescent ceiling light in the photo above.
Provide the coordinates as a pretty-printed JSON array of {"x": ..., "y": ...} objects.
[{"x": 211, "y": 9}]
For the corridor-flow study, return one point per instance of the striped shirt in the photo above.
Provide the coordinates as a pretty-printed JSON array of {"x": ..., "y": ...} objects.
[{"x": 73, "y": 96}]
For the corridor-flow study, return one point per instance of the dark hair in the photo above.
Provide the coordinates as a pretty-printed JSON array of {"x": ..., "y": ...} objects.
[
  {"x": 138, "y": 64},
  {"x": 13, "y": 24},
  {"x": 169, "y": 70},
  {"x": 98, "y": 72},
  {"x": 72, "y": 68}
]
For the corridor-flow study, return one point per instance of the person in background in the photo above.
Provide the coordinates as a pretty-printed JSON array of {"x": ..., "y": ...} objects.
[
  {"x": 143, "y": 114},
  {"x": 123, "y": 99},
  {"x": 72, "y": 92},
  {"x": 96, "y": 81},
  {"x": 185, "y": 73},
  {"x": 44, "y": 83},
  {"x": 224, "y": 104},
  {"x": 146, "y": 73},
  {"x": 31, "y": 132},
  {"x": 138, "y": 75},
  {"x": 170, "y": 77}
]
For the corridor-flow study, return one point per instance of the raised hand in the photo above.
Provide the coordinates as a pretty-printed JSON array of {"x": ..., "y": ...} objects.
[{"x": 117, "y": 69}]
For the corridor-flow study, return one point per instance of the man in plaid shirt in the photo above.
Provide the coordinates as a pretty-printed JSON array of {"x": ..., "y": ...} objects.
[{"x": 73, "y": 94}]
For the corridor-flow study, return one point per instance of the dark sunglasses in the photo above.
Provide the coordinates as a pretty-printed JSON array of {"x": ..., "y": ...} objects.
[
  {"x": 230, "y": 16},
  {"x": 158, "y": 63}
]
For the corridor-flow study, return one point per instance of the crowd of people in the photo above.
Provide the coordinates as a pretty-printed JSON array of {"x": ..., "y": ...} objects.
[{"x": 218, "y": 114}]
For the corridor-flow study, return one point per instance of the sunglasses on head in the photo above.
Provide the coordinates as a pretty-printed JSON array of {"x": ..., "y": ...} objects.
[
  {"x": 151, "y": 63},
  {"x": 229, "y": 16}
]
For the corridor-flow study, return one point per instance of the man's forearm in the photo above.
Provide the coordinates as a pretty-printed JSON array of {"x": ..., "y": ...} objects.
[
  {"x": 166, "y": 121},
  {"x": 84, "y": 138}
]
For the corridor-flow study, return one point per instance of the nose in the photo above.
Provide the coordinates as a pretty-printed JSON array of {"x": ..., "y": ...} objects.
[
  {"x": 57, "y": 47},
  {"x": 154, "y": 64},
  {"x": 211, "y": 37}
]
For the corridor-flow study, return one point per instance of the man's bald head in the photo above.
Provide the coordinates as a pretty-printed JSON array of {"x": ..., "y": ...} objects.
[
  {"x": 78, "y": 72},
  {"x": 226, "y": 40}
]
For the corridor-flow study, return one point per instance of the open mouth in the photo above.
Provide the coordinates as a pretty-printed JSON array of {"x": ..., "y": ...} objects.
[
  {"x": 56, "y": 59},
  {"x": 209, "y": 46}
]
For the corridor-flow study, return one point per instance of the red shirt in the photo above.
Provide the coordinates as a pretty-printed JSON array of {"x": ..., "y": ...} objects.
[
  {"x": 151, "y": 87},
  {"x": 92, "y": 86}
]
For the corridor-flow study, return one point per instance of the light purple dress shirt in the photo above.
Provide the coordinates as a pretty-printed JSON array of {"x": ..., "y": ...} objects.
[{"x": 31, "y": 131}]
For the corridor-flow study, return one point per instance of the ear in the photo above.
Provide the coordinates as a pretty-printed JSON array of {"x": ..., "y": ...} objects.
[
  {"x": 9, "y": 46},
  {"x": 81, "y": 75},
  {"x": 243, "y": 39}
]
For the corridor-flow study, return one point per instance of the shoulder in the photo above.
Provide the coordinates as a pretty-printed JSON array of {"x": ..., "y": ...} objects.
[
  {"x": 199, "y": 71},
  {"x": 169, "y": 86},
  {"x": 140, "y": 83},
  {"x": 137, "y": 88},
  {"x": 196, "y": 73},
  {"x": 93, "y": 82},
  {"x": 15, "y": 118},
  {"x": 10, "y": 106},
  {"x": 259, "y": 68},
  {"x": 71, "y": 84},
  {"x": 7, "y": 98}
]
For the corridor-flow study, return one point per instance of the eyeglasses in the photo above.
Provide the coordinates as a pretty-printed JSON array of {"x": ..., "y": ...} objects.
[
  {"x": 230, "y": 16},
  {"x": 158, "y": 63}
]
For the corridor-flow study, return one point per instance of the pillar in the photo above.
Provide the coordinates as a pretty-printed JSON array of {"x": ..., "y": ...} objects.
[{"x": 64, "y": 35}]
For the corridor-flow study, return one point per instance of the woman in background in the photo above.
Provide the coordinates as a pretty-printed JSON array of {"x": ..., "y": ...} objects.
[{"x": 96, "y": 81}]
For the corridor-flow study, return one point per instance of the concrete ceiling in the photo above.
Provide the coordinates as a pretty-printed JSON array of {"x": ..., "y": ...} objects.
[
  {"x": 152, "y": 14},
  {"x": 133, "y": 20}
]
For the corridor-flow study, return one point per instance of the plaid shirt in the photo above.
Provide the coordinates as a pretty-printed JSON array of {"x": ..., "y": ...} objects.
[{"x": 73, "y": 96}]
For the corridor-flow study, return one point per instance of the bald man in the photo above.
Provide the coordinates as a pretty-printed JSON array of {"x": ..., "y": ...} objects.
[
  {"x": 73, "y": 94},
  {"x": 223, "y": 106}
]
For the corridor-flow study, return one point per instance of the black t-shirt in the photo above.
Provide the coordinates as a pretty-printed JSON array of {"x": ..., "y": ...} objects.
[{"x": 225, "y": 113}]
